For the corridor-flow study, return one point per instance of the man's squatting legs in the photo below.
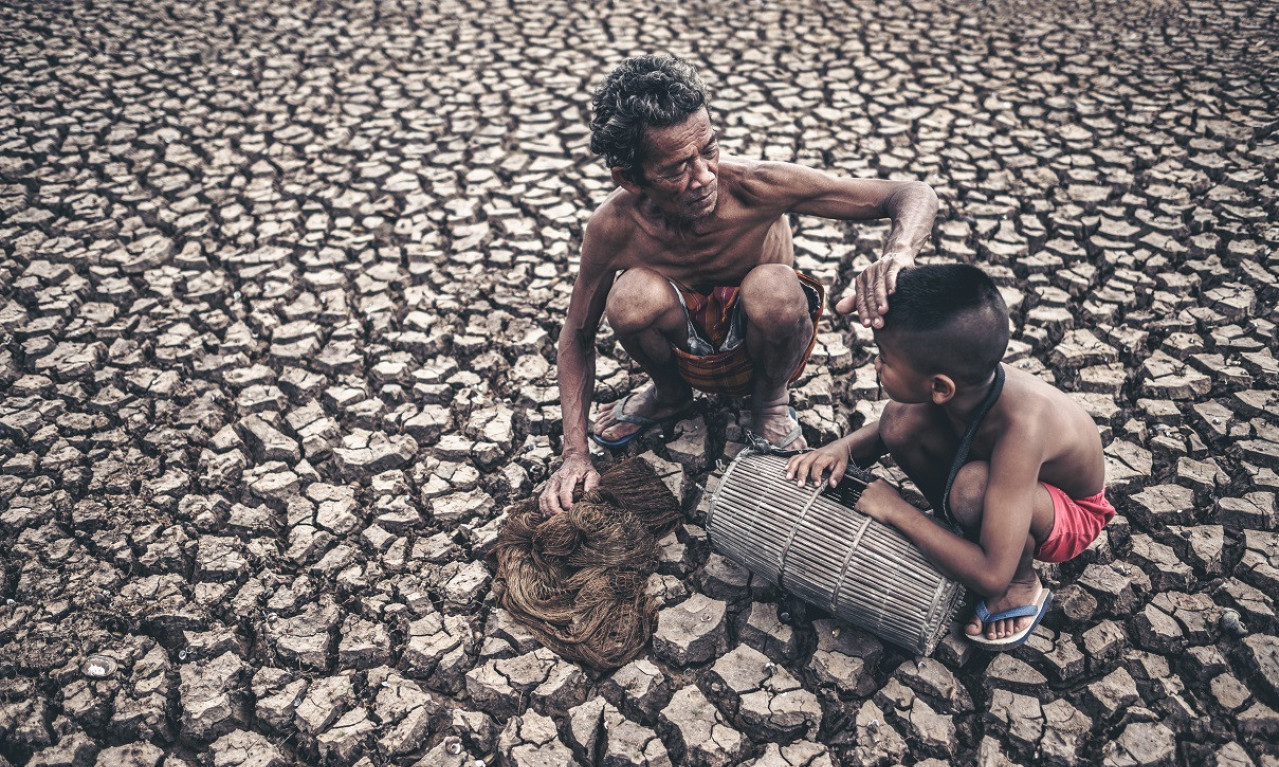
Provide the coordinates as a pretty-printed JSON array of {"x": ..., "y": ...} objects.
[
  {"x": 648, "y": 319},
  {"x": 778, "y": 329}
]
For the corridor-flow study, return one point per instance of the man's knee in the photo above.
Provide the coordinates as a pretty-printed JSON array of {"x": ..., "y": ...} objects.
[
  {"x": 773, "y": 297},
  {"x": 638, "y": 299},
  {"x": 968, "y": 494}
]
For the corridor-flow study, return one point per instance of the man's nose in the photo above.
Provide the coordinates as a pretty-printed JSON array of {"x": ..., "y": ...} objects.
[{"x": 703, "y": 174}]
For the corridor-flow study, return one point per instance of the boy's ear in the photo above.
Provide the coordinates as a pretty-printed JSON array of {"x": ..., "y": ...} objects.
[
  {"x": 943, "y": 389},
  {"x": 619, "y": 178}
]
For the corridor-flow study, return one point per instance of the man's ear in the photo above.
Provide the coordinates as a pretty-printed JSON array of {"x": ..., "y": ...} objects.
[
  {"x": 619, "y": 178},
  {"x": 943, "y": 389}
]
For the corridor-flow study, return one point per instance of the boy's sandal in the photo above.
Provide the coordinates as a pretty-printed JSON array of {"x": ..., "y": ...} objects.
[{"x": 1038, "y": 609}]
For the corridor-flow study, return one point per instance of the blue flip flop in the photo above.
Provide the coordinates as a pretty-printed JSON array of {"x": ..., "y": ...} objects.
[
  {"x": 620, "y": 414},
  {"x": 1039, "y": 609}
]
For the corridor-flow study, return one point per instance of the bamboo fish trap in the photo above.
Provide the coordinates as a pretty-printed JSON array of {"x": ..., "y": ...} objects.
[{"x": 812, "y": 543}]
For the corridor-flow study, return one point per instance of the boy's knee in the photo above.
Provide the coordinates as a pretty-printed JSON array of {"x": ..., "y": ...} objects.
[
  {"x": 900, "y": 426},
  {"x": 968, "y": 494},
  {"x": 637, "y": 299}
]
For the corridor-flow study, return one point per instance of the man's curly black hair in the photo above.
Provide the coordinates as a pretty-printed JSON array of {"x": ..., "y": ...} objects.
[{"x": 642, "y": 92}]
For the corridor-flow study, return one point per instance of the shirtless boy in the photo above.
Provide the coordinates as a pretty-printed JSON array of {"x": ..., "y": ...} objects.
[
  {"x": 691, "y": 261},
  {"x": 1032, "y": 483}
]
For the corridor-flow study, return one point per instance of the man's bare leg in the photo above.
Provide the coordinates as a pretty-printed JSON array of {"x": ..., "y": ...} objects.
[
  {"x": 967, "y": 499},
  {"x": 778, "y": 328},
  {"x": 648, "y": 319}
]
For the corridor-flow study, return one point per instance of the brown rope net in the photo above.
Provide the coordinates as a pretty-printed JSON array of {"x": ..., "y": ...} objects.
[{"x": 578, "y": 580}]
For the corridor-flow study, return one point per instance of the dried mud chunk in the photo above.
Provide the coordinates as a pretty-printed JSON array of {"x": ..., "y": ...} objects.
[
  {"x": 879, "y": 744},
  {"x": 938, "y": 683},
  {"x": 75, "y": 749},
  {"x": 1119, "y": 588},
  {"x": 1260, "y": 654},
  {"x": 363, "y": 644},
  {"x": 698, "y": 733},
  {"x": 131, "y": 755},
  {"x": 500, "y": 686},
  {"x": 639, "y": 688},
  {"x": 1018, "y": 717},
  {"x": 1142, "y": 744},
  {"x": 530, "y": 740},
  {"x": 761, "y": 628},
  {"x": 693, "y": 631},
  {"x": 407, "y": 712},
  {"x": 325, "y": 700},
  {"x": 347, "y": 737},
  {"x": 761, "y": 697},
  {"x": 722, "y": 578},
  {"x": 305, "y": 638},
  {"x": 801, "y": 754},
  {"x": 212, "y": 704},
  {"x": 245, "y": 749}
]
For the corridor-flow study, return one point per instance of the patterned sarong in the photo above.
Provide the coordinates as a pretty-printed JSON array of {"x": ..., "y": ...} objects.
[{"x": 718, "y": 363}]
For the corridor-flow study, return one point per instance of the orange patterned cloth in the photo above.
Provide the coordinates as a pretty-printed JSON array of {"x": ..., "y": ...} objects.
[{"x": 719, "y": 363}]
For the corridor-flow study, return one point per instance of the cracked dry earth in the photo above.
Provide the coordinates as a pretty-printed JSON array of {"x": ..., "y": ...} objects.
[{"x": 279, "y": 285}]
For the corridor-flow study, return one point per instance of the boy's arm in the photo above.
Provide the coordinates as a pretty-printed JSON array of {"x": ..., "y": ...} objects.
[
  {"x": 986, "y": 566},
  {"x": 862, "y": 447}
]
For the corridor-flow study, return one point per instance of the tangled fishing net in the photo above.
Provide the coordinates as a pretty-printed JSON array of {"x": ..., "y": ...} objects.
[{"x": 578, "y": 580}]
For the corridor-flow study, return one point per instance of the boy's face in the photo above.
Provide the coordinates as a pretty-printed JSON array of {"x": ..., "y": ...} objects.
[{"x": 901, "y": 381}]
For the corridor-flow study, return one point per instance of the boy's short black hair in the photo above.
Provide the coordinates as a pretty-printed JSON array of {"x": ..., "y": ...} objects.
[{"x": 949, "y": 319}]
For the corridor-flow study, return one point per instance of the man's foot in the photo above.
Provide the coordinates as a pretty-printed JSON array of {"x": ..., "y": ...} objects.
[
  {"x": 778, "y": 425},
  {"x": 1030, "y": 598},
  {"x": 622, "y": 421}
]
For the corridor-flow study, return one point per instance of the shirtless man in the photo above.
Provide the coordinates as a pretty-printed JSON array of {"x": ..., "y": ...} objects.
[{"x": 688, "y": 225}]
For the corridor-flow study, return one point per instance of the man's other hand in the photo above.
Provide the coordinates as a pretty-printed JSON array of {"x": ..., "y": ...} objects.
[
  {"x": 870, "y": 291},
  {"x": 557, "y": 496}
]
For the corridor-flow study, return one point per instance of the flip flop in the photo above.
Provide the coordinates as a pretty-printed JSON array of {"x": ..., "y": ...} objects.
[
  {"x": 645, "y": 423},
  {"x": 1039, "y": 609},
  {"x": 764, "y": 446}
]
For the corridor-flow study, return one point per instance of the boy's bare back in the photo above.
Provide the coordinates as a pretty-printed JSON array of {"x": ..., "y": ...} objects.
[{"x": 1032, "y": 416}]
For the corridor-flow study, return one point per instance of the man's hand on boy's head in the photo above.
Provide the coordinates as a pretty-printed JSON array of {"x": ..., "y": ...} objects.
[
  {"x": 812, "y": 465},
  {"x": 869, "y": 293},
  {"x": 882, "y": 502}
]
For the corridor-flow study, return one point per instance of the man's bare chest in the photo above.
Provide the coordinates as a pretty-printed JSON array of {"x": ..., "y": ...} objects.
[{"x": 720, "y": 258}]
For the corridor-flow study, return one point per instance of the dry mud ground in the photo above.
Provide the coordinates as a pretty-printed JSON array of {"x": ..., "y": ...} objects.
[{"x": 279, "y": 285}]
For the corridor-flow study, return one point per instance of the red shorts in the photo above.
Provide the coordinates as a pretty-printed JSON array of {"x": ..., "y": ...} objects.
[{"x": 1077, "y": 523}]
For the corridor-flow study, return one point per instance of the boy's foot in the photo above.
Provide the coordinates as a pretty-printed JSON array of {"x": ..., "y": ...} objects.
[
  {"x": 778, "y": 425},
  {"x": 1019, "y": 595},
  {"x": 622, "y": 421}
]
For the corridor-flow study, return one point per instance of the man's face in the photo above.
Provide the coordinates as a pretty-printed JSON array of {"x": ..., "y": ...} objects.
[{"x": 681, "y": 168}]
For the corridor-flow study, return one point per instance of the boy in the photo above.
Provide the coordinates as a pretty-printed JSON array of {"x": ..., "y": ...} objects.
[{"x": 1000, "y": 453}]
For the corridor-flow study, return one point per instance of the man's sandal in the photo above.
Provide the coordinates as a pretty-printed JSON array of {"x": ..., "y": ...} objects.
[
  {"x": 761, "y": 445},
  {"x": 645, "y": 423}
]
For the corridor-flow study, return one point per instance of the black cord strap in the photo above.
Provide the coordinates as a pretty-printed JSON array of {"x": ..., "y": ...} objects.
[{"x": 966, "y": 443}]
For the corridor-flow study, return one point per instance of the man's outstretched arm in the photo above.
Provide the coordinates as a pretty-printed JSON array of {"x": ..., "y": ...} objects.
[{"x": 912, "y": 206}]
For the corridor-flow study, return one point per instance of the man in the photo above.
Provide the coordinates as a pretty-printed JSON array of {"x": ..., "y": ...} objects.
[{"x": 691, "y": 261}]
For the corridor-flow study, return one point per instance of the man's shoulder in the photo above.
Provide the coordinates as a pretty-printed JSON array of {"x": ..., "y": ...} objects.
[
  {"x": 615, "y": 216},
  {"x": 767, "y": 182}
]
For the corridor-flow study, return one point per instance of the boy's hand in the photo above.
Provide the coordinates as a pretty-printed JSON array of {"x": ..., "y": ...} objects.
[
  {"x": 811, "y": 465},
  {"x": 881, "y": 501}
]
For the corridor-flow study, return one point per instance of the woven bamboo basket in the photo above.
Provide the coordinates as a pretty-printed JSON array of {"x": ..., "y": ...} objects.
[{"x": 812, "y": 543}]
